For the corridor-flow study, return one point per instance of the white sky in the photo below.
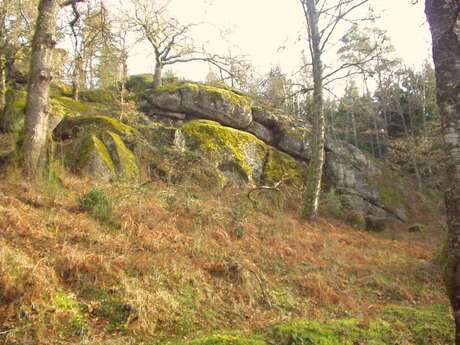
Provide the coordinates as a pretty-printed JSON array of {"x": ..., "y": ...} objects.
[{"x": 259, "y": 27}]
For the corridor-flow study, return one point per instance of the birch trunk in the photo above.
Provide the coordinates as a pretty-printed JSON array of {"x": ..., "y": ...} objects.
[
  {"x": 2, "y": 86},
  {"x": 313, "y": 188},
  {"x": 444, "y": 19}
]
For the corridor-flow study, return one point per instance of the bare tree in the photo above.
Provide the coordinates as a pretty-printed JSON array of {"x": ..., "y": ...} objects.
[
  {"x": 172, "y": 43},
  {"x": 444, "y": 19},
  {"x": 323, "y": 18},
  {"x": 37, "y": 107}
]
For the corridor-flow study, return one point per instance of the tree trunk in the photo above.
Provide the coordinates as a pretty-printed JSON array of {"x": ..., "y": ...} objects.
[
  {"x": 444, "y": 19},
  {"x": 2, "y": 86},
  {"x": 313, "y": 189},
  {"x": 157, "y": 76},
  {"x": 353, "y": 124},
  {"x": 37, "y": 108},
  {"x": 76, "y": 78},
  {"x": 8, "y": 122}
]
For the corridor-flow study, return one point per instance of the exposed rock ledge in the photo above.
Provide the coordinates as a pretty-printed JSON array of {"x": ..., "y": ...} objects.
[{"x": 349, "y": 171}]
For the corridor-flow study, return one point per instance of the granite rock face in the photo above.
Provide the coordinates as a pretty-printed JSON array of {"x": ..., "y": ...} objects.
[{"x": 348, "y": 170}]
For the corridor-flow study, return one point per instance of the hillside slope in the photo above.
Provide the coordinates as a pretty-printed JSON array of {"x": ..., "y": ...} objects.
[
  {"x": 175, "y": 252},
  {"x": 180, "y": 260}
]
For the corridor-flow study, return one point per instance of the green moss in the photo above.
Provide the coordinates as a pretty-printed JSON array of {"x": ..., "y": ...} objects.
[
  {"x": 280, "y": 166},
  {"x": 341, "y": 332},
  {"x": 217, "y": 140},
  {"x": 126, "y": 159},
  {"x": 60, "y": 89},
  {"x": 227, "y": 340},
  {"x": 429, "y": 325},
  {"x": 103, "y": 152},
  {"x": 298, "y": 133},
  {"x": 99, "y": 96},
  {"x": 20, "y": 100},
  {"x": 76, "y": 320},
  {"x": 83, "y": 150},
  {"x": 217, "y": 93},
  {"x": 139, "y": 83},
  {"x": 70, "y": 126},
  {"x": 110, "y": 307},
  {"x": 97, "y": 204},
  {"x": 71, "y": 105}
]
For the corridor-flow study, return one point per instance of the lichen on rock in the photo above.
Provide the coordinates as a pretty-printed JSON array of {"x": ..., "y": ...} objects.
[
  {"x": 203, "y": 101},
  {"x": 233, "y": 151},
  {"x": 280, "y": 166}
]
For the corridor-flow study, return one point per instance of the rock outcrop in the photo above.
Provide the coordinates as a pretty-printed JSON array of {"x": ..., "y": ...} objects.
[
  {"x": 201, "y": 101},
  {"x": 98, "y": 146},
  {"x": 348, "y": 170},
  {"x": 244, "y": 144}
]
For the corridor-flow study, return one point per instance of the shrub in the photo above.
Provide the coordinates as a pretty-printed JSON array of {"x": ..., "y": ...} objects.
[{"x": 97, "y": 204}]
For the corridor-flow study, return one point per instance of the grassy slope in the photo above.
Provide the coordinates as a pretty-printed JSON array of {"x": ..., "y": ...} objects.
[{"x": 182, "y": 261}]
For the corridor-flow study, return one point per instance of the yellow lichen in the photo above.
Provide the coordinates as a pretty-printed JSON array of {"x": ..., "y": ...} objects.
[
  {"x": 280, "y": 166},
  {"x": 218, "y": 93},
  {"x": 127, "y": 160},
  {"x": 217, "y": 140}
]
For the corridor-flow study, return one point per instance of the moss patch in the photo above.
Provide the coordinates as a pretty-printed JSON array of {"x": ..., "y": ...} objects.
[
  {"x": 341, "y": 332},
  {"x": 71, "y": 126},
  {"x": 431, "y": 325},
  {"x": 227, "y": 340},
  {"x": 217, "y": 140},
  {"x": 71, "y": 314},
  {"x": 217, "y": 93},
  {"x": 280, "y": 166},
  {"x": 127, "y": 162}
]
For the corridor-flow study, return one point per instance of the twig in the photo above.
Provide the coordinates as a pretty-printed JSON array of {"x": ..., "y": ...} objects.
[{"x": 275, "y": 187}]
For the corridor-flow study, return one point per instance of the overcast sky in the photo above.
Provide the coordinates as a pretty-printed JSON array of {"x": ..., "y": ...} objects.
[{"x": 259, "y": 27}]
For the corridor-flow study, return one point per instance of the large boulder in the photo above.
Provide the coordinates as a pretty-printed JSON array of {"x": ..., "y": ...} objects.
[
  {"x": 240, "y": 156},
  {"x": 244, "y": 157},
  {"x": 358, "y": 180},
  {"x": 98, "y": 146},
  {"x": 296, "y": 141},
  {"x": 201, "y": 101}
]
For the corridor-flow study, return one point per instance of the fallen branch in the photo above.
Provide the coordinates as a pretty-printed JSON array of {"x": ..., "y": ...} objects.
[{"x": 275, "y": 187}]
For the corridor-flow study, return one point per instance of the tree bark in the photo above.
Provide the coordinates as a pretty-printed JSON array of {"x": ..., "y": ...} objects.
[
  {"x": 2, "y": 86},
  {"x": 444, "y": 19},
  {"x": 313, "y": 189},
  {"x": 37, "y": 108},
  {"x": 157, "y": 82},
  {"x": 76, "y": 77},
  {"x": 8, "y": 122}
]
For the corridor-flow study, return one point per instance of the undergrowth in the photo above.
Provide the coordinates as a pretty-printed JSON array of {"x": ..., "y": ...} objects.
[{"x": 190, "y": 263}]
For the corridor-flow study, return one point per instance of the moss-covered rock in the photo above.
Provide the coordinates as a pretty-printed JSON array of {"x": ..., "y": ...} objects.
[
  {"x": 225, "y": 106},
  {"x": 89, "y": 155},
  {"x": 108, "y": 97},
  {"x": 97, "y": 146},
  {"x": 280, "y": 166},
  {"x": 296, "y": 141},
  {"x": 71, "y": 126},
  {"x": 123, "y": 157},
  {"x": 239, "y": 155}
]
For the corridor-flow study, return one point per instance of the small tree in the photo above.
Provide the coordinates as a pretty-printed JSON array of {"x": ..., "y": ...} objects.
[{"x": 321, "y": 25}]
